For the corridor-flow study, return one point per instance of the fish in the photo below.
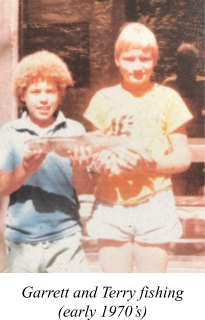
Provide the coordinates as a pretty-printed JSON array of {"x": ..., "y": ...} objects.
[{"x": 96, "y": 141}]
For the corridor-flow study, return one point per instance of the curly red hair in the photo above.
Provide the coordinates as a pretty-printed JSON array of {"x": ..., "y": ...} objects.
[{"x": 41, "y": 65}]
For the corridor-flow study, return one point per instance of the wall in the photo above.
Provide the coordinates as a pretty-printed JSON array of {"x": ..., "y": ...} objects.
[
  {"x": 104, "y": 20},
  {"x": 8, "y": 110},
  {"x": 8, "y": 57},
  {"x": 173, "y": 22}
]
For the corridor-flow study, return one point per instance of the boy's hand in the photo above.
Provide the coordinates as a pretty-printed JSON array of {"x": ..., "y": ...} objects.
[
  {"x": 128, "y": 160},
  {"x": 103, "y": 163},
  {"x": 132, "y": 159},
  {"x": 32, "y": 161},
  {"x": 81, "y": 156}
]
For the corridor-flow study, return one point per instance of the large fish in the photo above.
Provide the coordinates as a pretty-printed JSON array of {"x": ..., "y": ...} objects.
[{"x": 96, "y": 141}]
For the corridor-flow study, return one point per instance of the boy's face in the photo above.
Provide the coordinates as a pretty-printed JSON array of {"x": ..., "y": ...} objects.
[
  {"x": 136, "y": 66},
  {"x": 42, "y": 99}
]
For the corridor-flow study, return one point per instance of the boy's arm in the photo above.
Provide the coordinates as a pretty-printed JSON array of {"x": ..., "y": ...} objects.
[
  {"x": 177, "y": 161},
  {"x": 11, "y": 181},
  {"x": 83, "y": 181}
]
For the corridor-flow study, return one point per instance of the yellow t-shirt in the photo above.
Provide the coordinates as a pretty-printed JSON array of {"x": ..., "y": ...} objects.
[{"x": 156, "y": 113}]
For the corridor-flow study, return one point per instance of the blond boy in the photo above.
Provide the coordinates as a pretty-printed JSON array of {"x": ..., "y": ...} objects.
[
  {"x": 43, "y": 231},
  {"x": 134, "y": 214}
]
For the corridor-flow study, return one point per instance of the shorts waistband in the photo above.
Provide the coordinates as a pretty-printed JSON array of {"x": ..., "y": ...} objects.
[{"x": 131, "y": 205}]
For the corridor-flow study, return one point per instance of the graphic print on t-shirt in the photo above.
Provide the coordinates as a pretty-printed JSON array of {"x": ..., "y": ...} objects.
[{"x": 123, "y": 125}]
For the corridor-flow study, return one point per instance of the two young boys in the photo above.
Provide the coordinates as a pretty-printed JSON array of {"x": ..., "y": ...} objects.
[{"x": 134, "y": 213}]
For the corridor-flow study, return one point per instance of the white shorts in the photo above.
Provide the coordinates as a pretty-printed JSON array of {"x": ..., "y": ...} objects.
[
  {"x": 59, "y": 256},
  {"x": 153, "y": 221}
]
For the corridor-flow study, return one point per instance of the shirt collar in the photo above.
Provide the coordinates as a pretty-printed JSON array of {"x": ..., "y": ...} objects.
[{"x": 24, "y": 124}]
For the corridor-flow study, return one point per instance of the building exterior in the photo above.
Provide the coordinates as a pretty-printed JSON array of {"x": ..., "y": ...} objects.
[{"x": 83, "y": 34}]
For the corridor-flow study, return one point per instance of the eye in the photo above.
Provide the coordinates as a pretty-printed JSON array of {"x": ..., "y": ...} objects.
[
  {"x": 145, "y": 59},
  {"x": 129, "y": 59},
  {"x": 51, "y": 91},
  {"x": 35, "y": 91}
]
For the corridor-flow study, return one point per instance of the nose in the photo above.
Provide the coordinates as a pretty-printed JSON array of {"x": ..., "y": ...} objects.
[
  {"x": 137, "y": 65},
  {"x": 43, "y": 98}
]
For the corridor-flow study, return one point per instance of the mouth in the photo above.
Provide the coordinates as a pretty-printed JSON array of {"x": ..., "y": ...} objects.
[
  {"x": 138, "y": 75},
  {"x": 43, "y": 110}
]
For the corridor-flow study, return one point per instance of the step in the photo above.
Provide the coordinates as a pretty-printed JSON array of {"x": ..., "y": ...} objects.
[
  {"x": 190, "y": 201},
  {"x": 176, "y": 264},
  {"x": 97, "y": 269},
  {"x": 183, "y": 247},
  {"x": 91, "y": 241},
  {"x": 191, "y": 213}
]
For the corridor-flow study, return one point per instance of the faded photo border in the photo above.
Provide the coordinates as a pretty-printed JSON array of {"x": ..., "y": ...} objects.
[{"x": 83, "y": 34}]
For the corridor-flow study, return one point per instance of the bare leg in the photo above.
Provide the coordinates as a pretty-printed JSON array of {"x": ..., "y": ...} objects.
[
  {"x": 151, "y": 258},
  {"x": 116, "y": 256}
]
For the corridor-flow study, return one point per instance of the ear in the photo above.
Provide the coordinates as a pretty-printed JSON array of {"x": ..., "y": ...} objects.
[
  {"x": 60, "y": 96},
  {"x": 22, "y": 97},
  {"x": 116, "y": 61},
  {"x": 156, "y": 60}
]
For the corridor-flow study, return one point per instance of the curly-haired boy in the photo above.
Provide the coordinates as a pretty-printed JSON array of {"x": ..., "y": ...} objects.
[{"x": 43, "y": 231}]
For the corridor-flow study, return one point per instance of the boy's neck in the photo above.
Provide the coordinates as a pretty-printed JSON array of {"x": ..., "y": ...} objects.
[
  {"x": 42, "y": 124},
  {"x": 136, "y": 87}
]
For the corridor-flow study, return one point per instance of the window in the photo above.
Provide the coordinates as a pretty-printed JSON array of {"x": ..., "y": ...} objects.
[{"x": 69, "y": 41}]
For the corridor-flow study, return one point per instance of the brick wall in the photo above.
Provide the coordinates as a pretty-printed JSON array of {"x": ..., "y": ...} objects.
[{"x": 104, "y": 20}]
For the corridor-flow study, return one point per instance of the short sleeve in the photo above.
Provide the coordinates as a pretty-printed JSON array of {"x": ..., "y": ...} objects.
[
  {"x": 6, "y": 150},
  {"x": 73, "y": 128},
  {"x": 178, "y": 113},
  {"x": 78, "y": 129},
  {"x": 98, "y": 111}
]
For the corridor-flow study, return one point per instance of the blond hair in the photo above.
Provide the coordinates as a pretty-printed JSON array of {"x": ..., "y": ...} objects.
[
  {"x": 136, "y": 35},
  {"x": 41, "y": 65}
]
